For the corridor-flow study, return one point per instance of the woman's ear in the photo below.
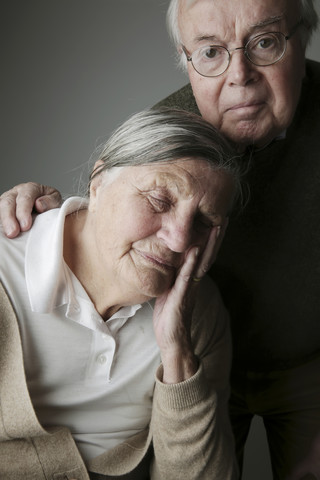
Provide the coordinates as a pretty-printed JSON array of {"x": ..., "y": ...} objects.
[
  {"x": 95, "y": 183},
  {"x": 95, "y": 177}
]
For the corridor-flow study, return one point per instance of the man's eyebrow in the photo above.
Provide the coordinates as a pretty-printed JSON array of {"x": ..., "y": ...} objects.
[
  {"x": 266, "y": 22},
  {"x": 208, "y": 38}
]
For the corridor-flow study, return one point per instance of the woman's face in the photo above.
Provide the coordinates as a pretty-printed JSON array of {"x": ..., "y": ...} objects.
[{"x": 144, "y": 219}]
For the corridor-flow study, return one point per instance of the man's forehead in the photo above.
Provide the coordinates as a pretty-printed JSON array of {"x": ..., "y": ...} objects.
[
  {"x": 186, "y": 4},
  {"x": 254, "y": 7},
  {"x": 200, "y": 18}
]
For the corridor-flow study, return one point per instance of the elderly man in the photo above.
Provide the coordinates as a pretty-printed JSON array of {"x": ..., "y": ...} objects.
[{"x": 249, "y": 77}]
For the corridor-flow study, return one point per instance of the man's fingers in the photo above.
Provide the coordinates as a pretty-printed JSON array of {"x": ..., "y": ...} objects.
[
  {"x": 48, "y": 201},
  {"x": 8, "y": 219},
  {"x": 34, "y": 196},
  {"x": 25, "y": 196},
  {"x": 17, "y": 204}
]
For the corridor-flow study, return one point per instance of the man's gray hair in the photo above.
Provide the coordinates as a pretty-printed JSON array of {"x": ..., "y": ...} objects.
[
  {"x": 308, "y": 14},
  {"x": 167, "y": 135},
  {"x": 310, "y": 20}
]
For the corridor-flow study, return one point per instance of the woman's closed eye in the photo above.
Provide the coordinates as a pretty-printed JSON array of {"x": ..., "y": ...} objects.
[
  {"x": 203, "y": 224},
  {"x": 160, "y": 204}
]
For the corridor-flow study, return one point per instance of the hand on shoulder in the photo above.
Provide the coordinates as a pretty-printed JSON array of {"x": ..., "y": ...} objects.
[{"x": 18, "y": 204}]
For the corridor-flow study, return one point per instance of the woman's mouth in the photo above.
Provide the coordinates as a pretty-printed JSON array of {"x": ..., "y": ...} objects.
[{"x": 158, "y": 261}]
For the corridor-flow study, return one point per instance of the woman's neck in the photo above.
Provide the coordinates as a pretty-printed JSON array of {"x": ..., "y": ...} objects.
[{"x": 79, "y": 255}]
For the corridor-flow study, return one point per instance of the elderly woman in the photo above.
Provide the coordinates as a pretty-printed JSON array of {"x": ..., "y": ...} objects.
[{"x": 122, "y": 370}]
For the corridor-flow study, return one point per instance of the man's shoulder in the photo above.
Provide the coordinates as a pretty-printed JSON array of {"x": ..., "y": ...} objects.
[
  {"x": 313, "y": 71},
  {"x": 309, "y": 104},
  {"x": 182, "y": 98},
  {"x": 311, "y": 81}
]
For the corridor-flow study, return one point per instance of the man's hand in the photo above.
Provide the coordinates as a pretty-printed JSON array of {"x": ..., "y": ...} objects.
[{"x": 17, "y": 205}]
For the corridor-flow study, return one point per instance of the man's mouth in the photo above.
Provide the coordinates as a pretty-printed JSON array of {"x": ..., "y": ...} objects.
[{"x": 245, "y": 108}]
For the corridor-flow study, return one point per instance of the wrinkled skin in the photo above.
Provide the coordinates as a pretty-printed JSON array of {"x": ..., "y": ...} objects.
[{"x": 168, "y": 221}]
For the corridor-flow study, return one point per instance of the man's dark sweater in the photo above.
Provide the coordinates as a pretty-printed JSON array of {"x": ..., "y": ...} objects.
[{"x": 268, "y": 268}]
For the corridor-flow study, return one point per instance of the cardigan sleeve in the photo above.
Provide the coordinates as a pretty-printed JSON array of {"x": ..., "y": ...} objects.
[{"x": 191, "y": 433}]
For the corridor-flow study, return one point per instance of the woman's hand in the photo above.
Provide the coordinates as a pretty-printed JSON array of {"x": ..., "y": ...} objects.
[
  {"x": 17, "y": 205},
  {"x": 173, "y": 311}
]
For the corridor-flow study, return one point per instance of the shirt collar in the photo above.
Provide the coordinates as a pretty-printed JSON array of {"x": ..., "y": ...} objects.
[{"x": 50, "y": 282}]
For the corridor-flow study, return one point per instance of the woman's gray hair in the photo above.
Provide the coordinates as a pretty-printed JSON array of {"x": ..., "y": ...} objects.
[
  {"x": 167, "y": 135},
  {"x": 308, "y": 14}
]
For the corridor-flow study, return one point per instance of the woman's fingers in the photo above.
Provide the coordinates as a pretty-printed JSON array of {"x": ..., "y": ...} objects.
[{"x": 211, "y": 250}]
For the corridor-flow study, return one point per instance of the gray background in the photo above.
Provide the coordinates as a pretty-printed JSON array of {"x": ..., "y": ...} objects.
[{"x": 73, "y": 70}]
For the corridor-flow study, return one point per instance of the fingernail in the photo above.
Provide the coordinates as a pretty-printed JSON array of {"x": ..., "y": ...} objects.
[
  {"x": 9, "y": 232},
  {"x": 9, "y": 229},
  {"x": 24, "y": 223},
  {"x": 218, "y": 231}
]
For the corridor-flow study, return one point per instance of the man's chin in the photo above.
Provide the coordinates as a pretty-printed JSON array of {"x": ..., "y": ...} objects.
[{"x": 247, "y": 135}]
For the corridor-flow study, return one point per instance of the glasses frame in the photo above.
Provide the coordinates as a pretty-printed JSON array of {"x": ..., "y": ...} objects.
[{"x": 286, "y": 37}]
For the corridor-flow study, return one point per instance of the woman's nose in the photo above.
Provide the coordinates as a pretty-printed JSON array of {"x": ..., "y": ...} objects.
[{"x": 177, "y": 234}]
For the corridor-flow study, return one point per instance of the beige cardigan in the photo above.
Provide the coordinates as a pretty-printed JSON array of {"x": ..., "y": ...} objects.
[{"x": 189, "y": 431}]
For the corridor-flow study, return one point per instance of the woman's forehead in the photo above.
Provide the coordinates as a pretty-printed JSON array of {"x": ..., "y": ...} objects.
[
  {"x": 183, "y": 176},
  {"x": 191, "y": 179}
]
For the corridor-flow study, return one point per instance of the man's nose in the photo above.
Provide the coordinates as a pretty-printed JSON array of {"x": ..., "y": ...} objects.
[{"x": 241, "y": 71}]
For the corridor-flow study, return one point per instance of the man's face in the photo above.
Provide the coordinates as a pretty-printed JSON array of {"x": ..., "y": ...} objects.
[{"x": 249, "y": 104}]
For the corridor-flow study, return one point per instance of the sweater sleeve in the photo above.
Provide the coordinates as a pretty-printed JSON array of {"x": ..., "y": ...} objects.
[{"x": 191, "y": 433}]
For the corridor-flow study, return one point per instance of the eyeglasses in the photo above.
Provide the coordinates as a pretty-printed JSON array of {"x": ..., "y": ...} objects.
[{"x": 261, "y": 50}]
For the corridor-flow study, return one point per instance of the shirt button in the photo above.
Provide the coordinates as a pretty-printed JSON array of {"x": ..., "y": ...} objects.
[{"x": 102, "y": 359}]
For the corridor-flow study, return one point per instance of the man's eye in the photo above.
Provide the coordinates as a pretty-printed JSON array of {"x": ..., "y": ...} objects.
[
  {"x": 265, "y": 42},
  {"x": 210, "y": 53}
]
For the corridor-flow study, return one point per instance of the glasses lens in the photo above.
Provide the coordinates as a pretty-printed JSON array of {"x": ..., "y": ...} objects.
[
  {"x": 211, "y": 60},
  {"x": 266, "y": 49}
]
